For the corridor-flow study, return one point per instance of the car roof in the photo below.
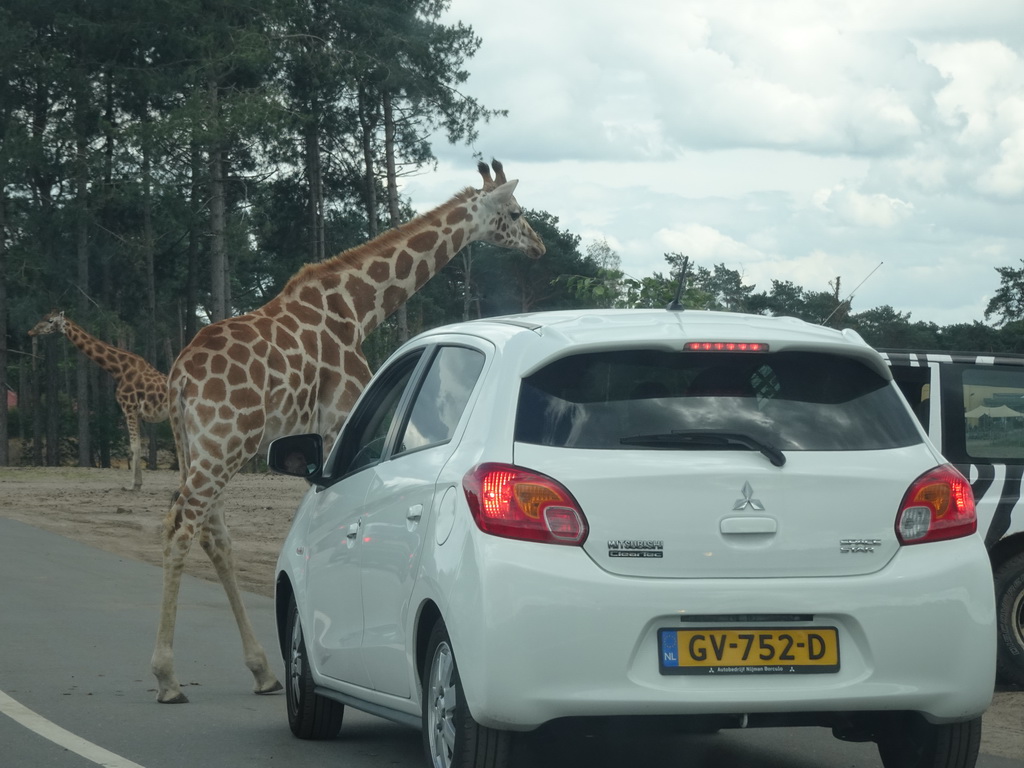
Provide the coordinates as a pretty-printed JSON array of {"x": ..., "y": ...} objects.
[
  {"x": 554, "y": 332},
  {"x": 922, "y": 357}
]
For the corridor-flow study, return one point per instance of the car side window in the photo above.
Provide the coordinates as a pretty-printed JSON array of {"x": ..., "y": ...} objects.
[
  {"x": 365, "y": 435},
  {"x": 993, "y": 413},
  {"x": 441, "y": 399}
]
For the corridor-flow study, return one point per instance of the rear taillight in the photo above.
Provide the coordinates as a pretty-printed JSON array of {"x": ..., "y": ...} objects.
[
  {"x": 939, "y": 505},
  {"x": 516, "y": 503}
]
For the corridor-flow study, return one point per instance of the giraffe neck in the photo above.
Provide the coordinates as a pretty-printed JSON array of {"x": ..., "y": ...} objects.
[
  {"x": 108, "y": 357},
  {"x": 376, "y": 278}
]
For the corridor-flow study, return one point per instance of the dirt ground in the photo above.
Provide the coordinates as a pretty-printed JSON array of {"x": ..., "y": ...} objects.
[{"x": 92, "y": 506}]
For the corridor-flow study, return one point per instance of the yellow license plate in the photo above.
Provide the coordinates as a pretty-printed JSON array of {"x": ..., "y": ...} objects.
[{"x": 744, "y": 651}]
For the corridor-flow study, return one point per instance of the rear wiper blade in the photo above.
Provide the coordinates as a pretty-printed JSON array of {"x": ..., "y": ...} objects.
[{"x": 703, "y": 438}]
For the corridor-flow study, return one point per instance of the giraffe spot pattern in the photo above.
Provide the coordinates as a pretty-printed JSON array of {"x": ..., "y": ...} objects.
[
  {"x": 215, "y": 342},
  {"x": 362, "y": 293},
  {"x": 214, "y": 389},
  {"x": 379, "y": 271},
  {"x": 246, "y": 398},
  {"x": 441, "y": 257},
  {"x": 403, "y": 265},
  {"x": 284, "y": 340},
  {"x": 237, "y": 375},
  {"x": 312, "y": 296},
  {"x": 457, "y": 215},
  {"x": 337, "y": 306},
  {"x": 330, "y": 353},
  {"x": 423, "y": 242},
  {"x": 423, "y": 273},
  {"x": 393, "y": 296},
  {"x": 305, "y": 314},
  {"x": 310, "y": 342}
]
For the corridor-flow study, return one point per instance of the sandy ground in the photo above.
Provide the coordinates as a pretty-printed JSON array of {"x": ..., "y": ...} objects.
[{"x": 93, "y": 507}]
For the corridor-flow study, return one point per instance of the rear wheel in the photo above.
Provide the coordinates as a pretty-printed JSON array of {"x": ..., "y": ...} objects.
[
  {"x": 310, "y": 715},
  {"x": 1009, "y": 581},
  {"x": 912, "y": 742},
  {"x": 451, "y": 737}
]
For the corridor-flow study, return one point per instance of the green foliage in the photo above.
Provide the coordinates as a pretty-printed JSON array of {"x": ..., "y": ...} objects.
[
  {"x": 122, "y": 121},
  {"x": 1007, "y": 305}
]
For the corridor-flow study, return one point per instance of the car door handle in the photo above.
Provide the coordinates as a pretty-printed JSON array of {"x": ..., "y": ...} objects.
[{"x": 415, "y": 512}]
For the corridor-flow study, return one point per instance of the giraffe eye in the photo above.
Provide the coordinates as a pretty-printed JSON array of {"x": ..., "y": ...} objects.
[{"x": 515, "y": 214}]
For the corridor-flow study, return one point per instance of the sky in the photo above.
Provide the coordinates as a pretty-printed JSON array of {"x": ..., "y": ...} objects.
[{"x": 877, "y": 142}]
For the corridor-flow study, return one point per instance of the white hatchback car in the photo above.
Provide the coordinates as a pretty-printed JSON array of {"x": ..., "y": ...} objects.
[{"x": 731, "y": 519}]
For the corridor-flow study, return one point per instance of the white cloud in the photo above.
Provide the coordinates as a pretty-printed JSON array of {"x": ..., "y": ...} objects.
[
  {"x": 704, "y": 244},
  {"x": 795, "y": 140},
  {"x": 863, "y": 210}
]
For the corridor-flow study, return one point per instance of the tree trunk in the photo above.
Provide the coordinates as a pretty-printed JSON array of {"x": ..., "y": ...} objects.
[
  {"x": 401, "y": 314},
  {"x": 35, "y": 403},
  {"x": 467, "y": 275},
  {"x": 191, "y": 322},
  {"x": 314, "y": 173},
  {"x": 367, "y": 124},
  {"x": 149, "y": 248},
  {"x": 218, "y": 251},
  {"x": 52, "y": 415},
  {"x": 5, "y": 457},
  {"x": 82, "y": 362}
]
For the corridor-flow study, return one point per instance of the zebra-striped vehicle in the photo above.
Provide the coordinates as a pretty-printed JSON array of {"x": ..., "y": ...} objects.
[{"x": 972, "y": 406}]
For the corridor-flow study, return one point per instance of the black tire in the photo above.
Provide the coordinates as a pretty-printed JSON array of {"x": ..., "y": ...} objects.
[
  {"x": 1009, "y": 581},
  {"x": 912, "y": 742},
  {"x": 310, "y": 715},
  {"x": 451, "y": 737}
]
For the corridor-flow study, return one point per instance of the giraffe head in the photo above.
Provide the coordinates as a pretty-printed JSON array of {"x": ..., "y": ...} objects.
[
  {"x": 52, "y": 323},
  {"x": 503, "y": 222}
]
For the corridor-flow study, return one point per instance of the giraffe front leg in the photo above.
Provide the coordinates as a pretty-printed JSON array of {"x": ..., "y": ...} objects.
[
  {"x": 135, "y": 443},
  {"x": 177, "y": 541},
  {"x": 216, "y": 542}
]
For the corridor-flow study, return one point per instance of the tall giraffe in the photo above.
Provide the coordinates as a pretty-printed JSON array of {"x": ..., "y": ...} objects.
[
  {"x": 141, "y": 389},
  {"x": 296, "y": 365}
]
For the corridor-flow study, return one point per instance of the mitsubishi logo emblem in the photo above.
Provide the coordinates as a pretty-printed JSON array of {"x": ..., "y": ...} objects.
[{"x": 748, "y": 500}]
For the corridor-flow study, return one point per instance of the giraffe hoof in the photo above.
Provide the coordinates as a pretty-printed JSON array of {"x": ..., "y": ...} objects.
[
  {"x": 181, "y": 698},
  {"x": 272, "y": 689}
]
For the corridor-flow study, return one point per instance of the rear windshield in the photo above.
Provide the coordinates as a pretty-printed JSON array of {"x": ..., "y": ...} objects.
[{"x": 796, "y": 401}]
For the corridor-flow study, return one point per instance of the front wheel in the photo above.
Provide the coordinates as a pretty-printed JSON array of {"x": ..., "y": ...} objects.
[
  {"x": 910, "y": 741},
  {"x": 1009, "y": 582},
  {"x": 451, "y": 737},
  {"x": 310, "y": 715}
]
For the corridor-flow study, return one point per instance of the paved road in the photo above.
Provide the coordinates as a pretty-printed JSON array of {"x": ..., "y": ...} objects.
[{"x": 76, "y": 632}]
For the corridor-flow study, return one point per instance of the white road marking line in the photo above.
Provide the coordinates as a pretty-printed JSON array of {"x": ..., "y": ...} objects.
[{"x": 53, "y": 732}]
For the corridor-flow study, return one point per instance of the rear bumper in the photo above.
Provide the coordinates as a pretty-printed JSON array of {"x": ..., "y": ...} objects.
[{"x": 541, "y": 635}]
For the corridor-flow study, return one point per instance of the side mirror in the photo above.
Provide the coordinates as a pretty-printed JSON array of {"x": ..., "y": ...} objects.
[{"x": 298, "y": 456}]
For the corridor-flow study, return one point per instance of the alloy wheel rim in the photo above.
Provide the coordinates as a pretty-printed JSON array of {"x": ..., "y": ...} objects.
[
  {"x": 441, "y": 703},
  {"x": 295, "y": 666}
]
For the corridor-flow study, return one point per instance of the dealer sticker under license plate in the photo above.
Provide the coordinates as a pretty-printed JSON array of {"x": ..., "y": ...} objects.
[{"x": 745, "y": 651}]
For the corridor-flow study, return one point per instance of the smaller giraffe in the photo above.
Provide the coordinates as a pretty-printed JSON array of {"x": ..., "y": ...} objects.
[{"x": 141, "y": 389}]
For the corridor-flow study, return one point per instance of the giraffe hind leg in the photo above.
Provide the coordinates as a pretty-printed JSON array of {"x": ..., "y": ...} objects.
[
  {"x": 216, "y": 542},
  {"x": 177, "y": 539}
]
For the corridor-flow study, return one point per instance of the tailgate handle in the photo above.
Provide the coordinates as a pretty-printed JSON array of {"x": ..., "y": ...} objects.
[{"x": 749, "y": 525}]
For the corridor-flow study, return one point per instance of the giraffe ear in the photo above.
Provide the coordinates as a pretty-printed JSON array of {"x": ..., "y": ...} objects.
[{"x": 501, "y": 195}]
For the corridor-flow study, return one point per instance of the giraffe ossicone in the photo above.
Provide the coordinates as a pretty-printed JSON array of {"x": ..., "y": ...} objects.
[
  {"x": 296, "y": 365},
  {"x": 141, "y": 390}
]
